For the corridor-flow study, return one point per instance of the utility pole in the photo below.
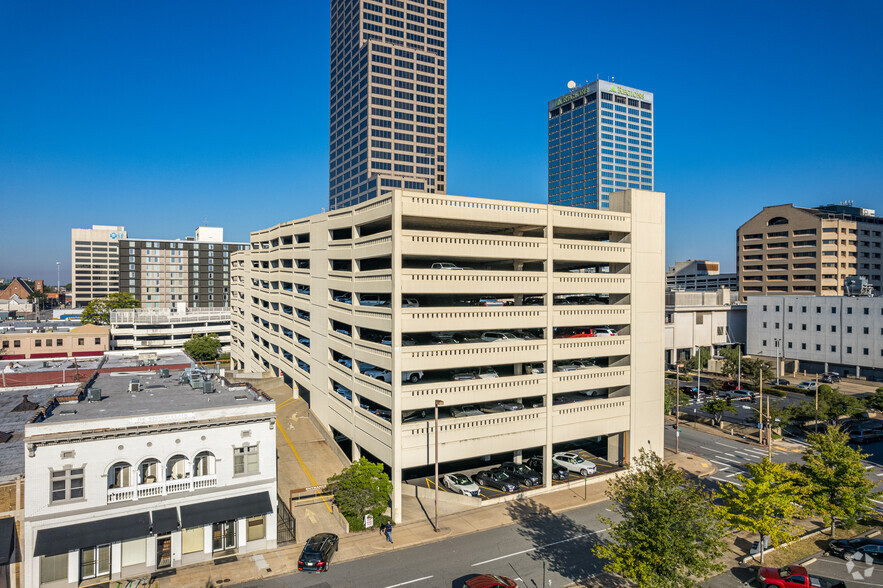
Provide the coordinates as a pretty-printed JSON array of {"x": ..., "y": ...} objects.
[
  {"x": 437, "y": 404},
  {"x": 769, "y": 428},
  {"x": 817, "y": 403},
  {"x": 778, "y": 342},
  {"x": 677, "y": 408},
  {"x": 739, "y": 370},
  {"x": 760, "y": 408}
]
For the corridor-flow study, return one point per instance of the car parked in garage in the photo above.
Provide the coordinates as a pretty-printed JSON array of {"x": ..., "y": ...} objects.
[
  {"x": 493, "y": 407},
  {"x": 523, "y": 474},
  {"x": 461, "y": 484},
  {"x": 536, "y": 464},
  {"x": 496, "y": 479},
  {"x": 574, "y": 463},
  {"x": 480, "y": 374},
  {"x": 466, "y": 410}
]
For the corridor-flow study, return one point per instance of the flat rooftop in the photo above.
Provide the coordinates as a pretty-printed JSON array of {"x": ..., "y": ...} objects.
[
  {"x": 25, "y": 366},
  {"x": 157, "y": 395},
  {"x": 121, "y": 360},
  {"x": 20, "y": 326},
  {"x": 12, "y": 452}
]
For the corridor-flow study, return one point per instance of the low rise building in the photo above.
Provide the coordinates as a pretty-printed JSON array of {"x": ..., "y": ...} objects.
[
  {"x": 145, "y": 328},
  {"x": 823, "y": 333},
  {"x": 701, "y": 275},
  {"x": 135, "y": 475},
  {"x": 48, "y": 341},
  {"x": 701, "y": 319},
  {"x": 536, "y": 326}
]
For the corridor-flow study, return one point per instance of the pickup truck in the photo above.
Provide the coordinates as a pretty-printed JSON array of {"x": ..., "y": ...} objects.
[{"x": 794, "y": 577}]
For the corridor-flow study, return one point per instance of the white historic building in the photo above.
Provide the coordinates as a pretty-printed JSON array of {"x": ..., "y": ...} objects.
[{"x": 143, "y": 474}]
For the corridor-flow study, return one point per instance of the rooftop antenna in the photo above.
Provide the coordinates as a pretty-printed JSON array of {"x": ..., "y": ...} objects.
[{"x": 571, "y": 85}]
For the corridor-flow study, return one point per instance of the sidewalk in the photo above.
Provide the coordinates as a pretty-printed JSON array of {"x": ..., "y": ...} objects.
[{"x": 283, "y": 560}]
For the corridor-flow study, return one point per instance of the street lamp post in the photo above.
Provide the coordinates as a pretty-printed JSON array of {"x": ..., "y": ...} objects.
[
  {"x": 437, "y": 404},
  {"x": 778, "y": 363},
  {"x": 678, "y": 408},
  {"x": 699, "y": 367},
  {"x": 739, "y": 370}
]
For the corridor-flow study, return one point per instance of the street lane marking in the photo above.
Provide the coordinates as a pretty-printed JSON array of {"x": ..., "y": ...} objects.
[
  {"x": 727, "y": 481},
  {"x": 410, "y": 582},
  {"x": 726, "y": 445},
  {"x": 535, "y": 548},
  {"x": 730, "y": 459},
  {"x": 726, "y": 465}
]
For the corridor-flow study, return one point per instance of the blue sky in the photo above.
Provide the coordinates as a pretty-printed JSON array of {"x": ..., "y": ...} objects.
[{"x": 165, "y": 115}]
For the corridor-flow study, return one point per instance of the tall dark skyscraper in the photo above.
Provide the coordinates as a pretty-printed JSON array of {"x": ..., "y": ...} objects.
[
  {"x": 388, "y": 78},
  {"x": 600, "y": 141}
]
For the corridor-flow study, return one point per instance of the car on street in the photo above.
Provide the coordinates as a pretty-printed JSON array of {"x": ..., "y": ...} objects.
[
  {"x": 845, "y": 548},
  {"x": 318, "y": 552},
  {"x": 490, "y": 581},
  {"x": 574, "y": 463},
  {"x": 496, "y": 479},
  {"x": 443, "y": 265},
  {"x": 494, "y": 407},
  {"x": 737, "y": 394},
  {"x": 461, "y": 484},
  {"x": 807, "y": 385},
  {"x": 481, "y": 374},
  {"x": 729, "y": 385},
  {"x": 865, "y": 435},
  {"x": 522, "y": 473},
  {"x": 778, "y": 382},
  {"x": 693, "y": 391},
  {"x": 466, "y": 410},
  {"x": 794, "y": 577},
  {"x": 536, "y": 464}
]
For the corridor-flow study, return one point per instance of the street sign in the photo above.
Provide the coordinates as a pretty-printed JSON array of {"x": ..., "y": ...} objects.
[{"x": 369, "y": 521}]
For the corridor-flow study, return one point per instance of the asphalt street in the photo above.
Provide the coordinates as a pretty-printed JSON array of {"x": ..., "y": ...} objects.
[{"x": 562, "y": 541}]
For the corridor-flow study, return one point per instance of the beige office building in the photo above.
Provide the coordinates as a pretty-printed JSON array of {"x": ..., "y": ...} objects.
[
  {"x": 377, "y": 311},
  {"x": 786, "y": 249}
]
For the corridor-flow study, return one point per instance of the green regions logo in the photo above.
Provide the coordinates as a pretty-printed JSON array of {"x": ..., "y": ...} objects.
[{"x": 625, "y": 92}]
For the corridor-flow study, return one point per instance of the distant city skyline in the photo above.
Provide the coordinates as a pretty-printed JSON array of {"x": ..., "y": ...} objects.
[{"x": 164, "y": 117}]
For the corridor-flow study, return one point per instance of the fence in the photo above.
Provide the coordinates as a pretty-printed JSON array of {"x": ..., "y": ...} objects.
[{"x": 286, "y": 525}]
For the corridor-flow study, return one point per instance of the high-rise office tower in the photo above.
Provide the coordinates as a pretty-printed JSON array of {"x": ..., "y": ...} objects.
[
  {"x": 387, "y": 127},
  {"x": 600, "y": 141}
]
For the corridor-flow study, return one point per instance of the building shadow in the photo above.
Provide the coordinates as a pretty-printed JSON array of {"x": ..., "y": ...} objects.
[{"x": 565, "y": 546}]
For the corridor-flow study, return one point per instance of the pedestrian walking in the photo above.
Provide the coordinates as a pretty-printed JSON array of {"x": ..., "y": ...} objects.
[{"x": 388, "y": 530}]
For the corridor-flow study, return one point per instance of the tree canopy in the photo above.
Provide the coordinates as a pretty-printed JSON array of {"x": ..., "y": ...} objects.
[
  {"x": 203, "y": 347},
  {"x": 669, "y": 533},
  {"x": 764, "y": 502},
  {"x": 362, "y": 488},
  {"x": 97, "y": 312},
  {"x": 836, "y": 482},
  {"x": 716, "y": 407}
]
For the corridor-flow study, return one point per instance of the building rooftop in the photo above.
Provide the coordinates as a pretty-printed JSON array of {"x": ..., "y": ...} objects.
[
  {"x": 27, "y": 326},
  {"x": 26, "y": 366},
  {"x": 12, "y": 421},
  {"x": 156, "y": 395},
  {"x": 130, "y": 359}
]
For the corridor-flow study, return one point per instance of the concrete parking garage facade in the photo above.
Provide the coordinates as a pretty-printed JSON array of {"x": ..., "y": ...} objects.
[{"x": 296, "y": 312}]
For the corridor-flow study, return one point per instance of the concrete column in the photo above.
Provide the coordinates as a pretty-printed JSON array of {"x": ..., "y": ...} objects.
[
  {"x": 615, "y": 448},
  {"x": 150, "y": 562},
  {"x": 177, "y": 547},
  {"x": 73, "y": 566},
  {"x": 395, "y": 368},
  {"x": 241, "y": 536},
  {"x": 116, "y": 559},
  {"x": 207, "y": 541},
  {"x": 547, "y": 374},
  {"x": 516, "y": 456},
  {"x": 355, "y": 452}
]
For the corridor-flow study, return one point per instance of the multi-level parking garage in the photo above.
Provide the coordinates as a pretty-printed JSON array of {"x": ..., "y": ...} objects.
[{"x": 531, "y": 326}]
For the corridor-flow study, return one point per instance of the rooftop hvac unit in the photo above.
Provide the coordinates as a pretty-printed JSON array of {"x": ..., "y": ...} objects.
[
  {"x": 93, "y": 394},
  {"x": 134, "y": 385},
  {"x": 164, "y": 373},
  {"x": 207, "y": 388},
  {"x": 195, "y": 382}
]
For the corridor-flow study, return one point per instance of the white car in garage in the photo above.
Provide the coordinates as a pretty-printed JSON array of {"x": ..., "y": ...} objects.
[
  {"x": 574, "y": 463},
  {"x": 461, "y": 484}
]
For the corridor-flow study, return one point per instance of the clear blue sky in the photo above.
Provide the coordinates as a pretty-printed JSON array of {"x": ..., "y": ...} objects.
[{"x": 165, "y": 115}]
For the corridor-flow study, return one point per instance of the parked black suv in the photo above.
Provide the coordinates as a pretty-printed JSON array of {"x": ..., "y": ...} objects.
[
  {"x": 317, "y": 553},
  {"x": 536, "y": 464},
  {"x": 522, "y": 473},
  {"x": 830, "y": 378}
]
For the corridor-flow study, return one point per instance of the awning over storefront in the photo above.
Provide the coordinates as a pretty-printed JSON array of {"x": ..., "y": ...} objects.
[
  {"x": 63, "y": 539},
  {"x": 164, "y": 521},
  {"x": 7, "y": 540},
  {"x": 226, "y": 509}
]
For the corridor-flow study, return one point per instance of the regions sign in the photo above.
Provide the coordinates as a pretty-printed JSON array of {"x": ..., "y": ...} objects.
[
  {"x": 572, "y": 96},
  {"x": 626, "y": 92}
]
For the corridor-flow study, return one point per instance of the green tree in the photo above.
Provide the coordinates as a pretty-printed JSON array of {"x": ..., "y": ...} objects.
[
  {"x": 756, "y": 369},
  {"x": 764, "y": 502},
  {"x": 668, "y": 534},
  {"x": 716, "y": 407},
  {"x": 875, "y": 400},
  {"x": 836, "y": 482},
  {"x": 683, "y": 399},
  {"x": 715, "y": 385},
  {"x": 203, "y": 347},
  {"x": 837, "y": 404},
  {"x": 731, "y": 360},
  {"x": 703, "y": 355},
  {"x": 362, "y": 488},
  {"x": 97, "y": 312}
]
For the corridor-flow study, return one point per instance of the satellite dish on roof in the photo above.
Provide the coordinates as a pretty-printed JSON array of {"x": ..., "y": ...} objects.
[{"x": 571, "y": 85}]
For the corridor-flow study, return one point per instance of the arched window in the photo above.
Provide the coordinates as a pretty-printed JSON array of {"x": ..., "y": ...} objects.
[
  {"x": 120, "y": 475},
  {"x": 777, "y": 220},
  {"x": 148, "y": 471},
  {"x": 177, "y": 467},
  {"x": 204, "y": 464}
]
